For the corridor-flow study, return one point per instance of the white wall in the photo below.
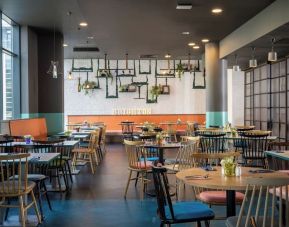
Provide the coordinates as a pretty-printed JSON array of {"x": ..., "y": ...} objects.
[
  {"x": 235, "y": 97},
  {"x": 182, "y": 99}
]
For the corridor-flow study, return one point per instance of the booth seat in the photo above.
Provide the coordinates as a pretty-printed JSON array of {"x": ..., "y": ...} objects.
[
  {"x": 35, "y": 127},
  {"x": 113, "y": 121}
]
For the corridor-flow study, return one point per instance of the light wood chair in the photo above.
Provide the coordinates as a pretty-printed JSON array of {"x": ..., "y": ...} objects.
[
  {"x": 213, "y": 197},
  {"x": 171, "y": 131},
  {"x": 103, "y": 139},
  {"x": 137, "y": 163},
  {"x": 14, "y": 183},
  {"x": 190, "y": 130},
  {"x": 268, "y": 211},
  {"x": 90, "y": 151}
]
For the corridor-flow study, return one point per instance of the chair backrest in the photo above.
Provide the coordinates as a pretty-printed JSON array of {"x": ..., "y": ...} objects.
[
  {"x": 202, "y": 159},
  {"x": 191, "y": 126},
  {"x": 253, "y": 146},
  {"x": 212, "y": 143},
  {"x": 103, "y": 134},
  {"x": 136, "y": 154},
  {"x": 10, "y": 166},
  {"x": 162, "y": 192},
  {"x": 94, "y": 139},
  {"x": 127, "y": 127},
  {"x": 278, "y": 146},
  {"x": 184, "y": 157},
  {"x": 266, "y": 205}
]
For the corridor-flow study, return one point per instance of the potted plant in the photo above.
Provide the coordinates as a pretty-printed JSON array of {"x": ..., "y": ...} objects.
[
  {"x": 155, "y": 91},
  {"x": 228, "y": 166},
  {"x": 180, "y": 70},
  {"x": 28, "y": 139}
]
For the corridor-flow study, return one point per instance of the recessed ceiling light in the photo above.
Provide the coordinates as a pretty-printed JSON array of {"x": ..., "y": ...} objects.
[
  {"x": 217, "y": 10},
  {"x": 167, "y": 56},
  {"x": 205, "y": 40},
  {"x": 184, "y": 6},
  {"x": 191, "y": 44},
  {"x": 185, "y": 33},
  {"x": 83, "y": 24},
  {"x": 65, "y": 45},
  {"x": 90, "y": 37},
  {"x": 196, "y": 47}
]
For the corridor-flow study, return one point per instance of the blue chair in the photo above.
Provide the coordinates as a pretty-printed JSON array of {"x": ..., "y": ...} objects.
[{"x": 180, "y": 212}]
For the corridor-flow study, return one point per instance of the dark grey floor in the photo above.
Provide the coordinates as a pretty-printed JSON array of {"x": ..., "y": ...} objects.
[{"x": 97, "y": 200}]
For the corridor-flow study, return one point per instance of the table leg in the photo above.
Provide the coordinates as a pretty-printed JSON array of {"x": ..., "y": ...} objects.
[
  {"x": 231, "y": 203},
  {"x": 161, "y": 156}
]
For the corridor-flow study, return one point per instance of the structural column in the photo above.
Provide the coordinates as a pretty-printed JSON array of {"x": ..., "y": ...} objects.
[{"x": 216, "y": 73}]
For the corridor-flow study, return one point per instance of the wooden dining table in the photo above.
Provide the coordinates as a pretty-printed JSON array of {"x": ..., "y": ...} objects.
[{"x": 216, "y": 181}]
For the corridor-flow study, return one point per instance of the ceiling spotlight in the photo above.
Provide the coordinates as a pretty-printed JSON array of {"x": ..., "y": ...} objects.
[
  {"x": 83, "y": 24},
  {"x": 205, "y": 40},
  {"x": 90, "y": 37},
  {"x": 191, "y": 44},
  {"x": 217, "y": 10},
  {"x": 185, "y": 33},
  {"x": 167, "y": 56},
  {"x": 253, "y": 60},
  {"x": 196, "y": 47},
  {"x": 272, "y": 55},
  {"x": 65, "y": 45}
]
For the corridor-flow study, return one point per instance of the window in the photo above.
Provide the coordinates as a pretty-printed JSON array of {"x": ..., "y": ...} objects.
[{"x": 10, "y": 69}]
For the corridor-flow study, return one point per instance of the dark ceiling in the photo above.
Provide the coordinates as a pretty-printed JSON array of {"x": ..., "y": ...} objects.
[
  {"x": 134, "y": 26},
  {"x": 262, "y": 47}
]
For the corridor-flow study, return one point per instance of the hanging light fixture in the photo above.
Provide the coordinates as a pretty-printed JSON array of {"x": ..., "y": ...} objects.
[
  {"x": 53, "y": 68},
  {"x": 272, "y": 55},
  {"x": 236, "y": 67},
  {"x": 253, "y": 60},
  {"x": 69, "y": 76}
]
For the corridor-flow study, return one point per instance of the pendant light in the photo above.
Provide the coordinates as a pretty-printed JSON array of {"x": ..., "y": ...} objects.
[
  {"x": 53, "y": 68},
  {"x": 69, "y": 76},
  {"x": 272, "y": 55},
  {"x": 253, "y": 60},
  {"x": 236, "y": 67}
]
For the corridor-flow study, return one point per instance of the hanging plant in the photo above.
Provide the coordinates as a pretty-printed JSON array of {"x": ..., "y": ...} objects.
[
  {"x": 89, "y": 86},
  {"x": 155, "y": 91},
  {"x": 180, "y": 70},
  {"x": 104, "y": 73}
]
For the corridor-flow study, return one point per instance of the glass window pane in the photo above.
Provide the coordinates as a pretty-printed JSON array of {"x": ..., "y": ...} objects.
[
  {"x": 282, "y": 83},
  {"x": 7, "y": 35},
  {"x": 283, "y": 115},
  {"x": 263, "y": 88},
  {"x": 275, "y": 70},
  {"x": 256, "y": 74},
  {"x": 275, "y": 85},
  {"x": 282, "y": 131},
  {"x": 264, "y": 126},
  {"x": 264, "y": 72},
  {"x": 257, "y": 101},
  {"x": 275, "y": 114},
  {"x": 257, "y": 114},
  {"x": 282, "y": 68},
  {"x": 264, "y": 100},
  {"x": 257, "y": 87},
  {"x": 275, "y": 129},
  {"x": 7, "y": 71},
  {"x": 275, "y": 100},
  {"x": 264, "y": 114},
  {"x": 282, "y": 100}
]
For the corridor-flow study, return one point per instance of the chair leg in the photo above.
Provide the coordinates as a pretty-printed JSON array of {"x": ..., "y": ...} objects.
[
  {"x": 142, "y": 186},
  {"x": 63, "y": 170},
  {"x": 207, "y": 223},
  {"x": 7, "y": 210},
  {"x": 127, "y": 184},
  {"x": 35, "y": 206},
  {"x": 136, "y": 180},
  {"x": 46, "y": 195},
  {"x": 58, "y": 179},
  {"x": 91, "y": 164},
  {"x": 199, "y": 224},
  {"x": 38, "y": 188},
  {"x": 69, "y": 171},
  {"x": 21, "y": 205}
]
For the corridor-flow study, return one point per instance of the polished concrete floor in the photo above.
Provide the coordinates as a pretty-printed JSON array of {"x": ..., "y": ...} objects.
[{"x": 97, "y": 200}]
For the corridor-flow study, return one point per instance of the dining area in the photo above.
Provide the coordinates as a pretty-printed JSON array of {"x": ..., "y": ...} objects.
[{"x": 234, "y": 168}]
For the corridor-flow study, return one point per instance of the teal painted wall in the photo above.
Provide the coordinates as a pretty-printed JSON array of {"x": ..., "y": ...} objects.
[{"x": 216, "y": 118}]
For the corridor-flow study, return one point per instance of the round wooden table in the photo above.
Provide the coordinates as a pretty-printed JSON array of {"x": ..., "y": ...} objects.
[{"x": 217, "y": 181}]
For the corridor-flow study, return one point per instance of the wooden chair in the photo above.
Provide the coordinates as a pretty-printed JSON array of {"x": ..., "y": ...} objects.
[
  {"x": 171, "y": 132},
  {"x": 20, "y": 187},
  {"x": 212, "y": 142},
  {"x": 127, "y": 128},
  {"x": 253, "y": 147},
  {"x": 37, "y": 173},
  {"x": 180, "y": 212},
  {"x": 90, "y": 151},
  {"x": 276, "y": 163},
  {"x": 268, "y": 211},
  {"x": 191, "y": 127},
  {"x": 213, "y": 197},
  {"x": 103, "y": 139},
  {"x": 137, "y": 163}
]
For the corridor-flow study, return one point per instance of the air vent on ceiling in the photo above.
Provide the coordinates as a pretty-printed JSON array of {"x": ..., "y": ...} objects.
[
  {"x": 86, "y": 49},
  {"x": 148, "y": 56}
]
